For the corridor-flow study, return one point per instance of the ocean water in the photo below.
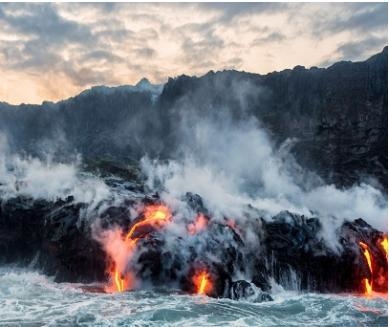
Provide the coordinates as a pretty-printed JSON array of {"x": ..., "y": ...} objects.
[{"x": 28, "y": 298}]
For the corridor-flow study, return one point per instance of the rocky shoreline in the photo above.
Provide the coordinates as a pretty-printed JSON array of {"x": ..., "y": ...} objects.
[{"x": 50, "y": 236}]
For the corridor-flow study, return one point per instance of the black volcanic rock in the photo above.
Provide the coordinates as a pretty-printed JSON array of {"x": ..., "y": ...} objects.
[
  {"x": 243, "y": 290},
  {"x": 47, "y": 233},
  {"x": 51, "y": 236}
]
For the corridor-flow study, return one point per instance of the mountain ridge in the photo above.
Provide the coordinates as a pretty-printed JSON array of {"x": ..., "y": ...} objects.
[{"x": 123, "y": 86}]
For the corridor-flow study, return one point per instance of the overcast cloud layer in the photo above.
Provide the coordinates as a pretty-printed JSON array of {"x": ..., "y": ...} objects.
[{"x": 52, "y": 51}]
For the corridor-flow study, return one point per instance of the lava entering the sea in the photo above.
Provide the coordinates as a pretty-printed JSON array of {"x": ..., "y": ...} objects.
[
  {"x": 368, "y": 282},
  {"x": 377, "y": 281},
  {"x": 155, "y": 216},
  {"x": 121, "y": 247},
  {"x": 202, "y": 282}
]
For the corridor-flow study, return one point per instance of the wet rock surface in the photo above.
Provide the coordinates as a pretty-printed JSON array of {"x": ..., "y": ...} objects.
[
  {"x": 49, "y": 235},
  {"x": 243, "y": 290}
]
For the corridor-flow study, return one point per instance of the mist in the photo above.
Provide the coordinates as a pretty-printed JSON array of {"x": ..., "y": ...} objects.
[
  {"x": 227, "y": 157},
  {"x": 45, "y": 178}
]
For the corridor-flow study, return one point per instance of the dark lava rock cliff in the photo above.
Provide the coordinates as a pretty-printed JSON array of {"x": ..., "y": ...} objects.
[{"x": 336, "y": 116}]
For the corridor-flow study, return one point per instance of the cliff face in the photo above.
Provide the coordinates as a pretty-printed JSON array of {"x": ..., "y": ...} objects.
[
  {"x": 336, "y": 116},
  {"x": 339, "y": 116}
]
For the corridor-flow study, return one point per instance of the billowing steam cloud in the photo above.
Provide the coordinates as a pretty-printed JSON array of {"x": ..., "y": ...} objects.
[
  {"x": 46, "y": 179},
  {"x": 227, "y": 158}
]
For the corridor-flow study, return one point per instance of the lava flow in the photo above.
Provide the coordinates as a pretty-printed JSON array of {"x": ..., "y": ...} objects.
[
  {"x": 384, "y": 245},
  {"x": 200, "y": 224},
  {"x": 155, "y": 216},
  {"x": 119, "y": 281},
  {"x": 203, "y": 283},
  {"x": 367, "y": 283},
  {"x": 122, "y": 282}
]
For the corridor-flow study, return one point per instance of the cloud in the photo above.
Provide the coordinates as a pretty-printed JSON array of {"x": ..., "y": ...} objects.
[
  {"x": 355, "y": 17},
  {"x": 193, "y": 51},
  {"x": 146, "y": 52},
  {"x": 356, "y": 50},
  {"x": 272, "y": 37},
  {"x": 229, "y": 11},
  {"x": 101, "y": 55},
  {"x": 43, "y": 23},
  {"x": 82, "y": 44}
]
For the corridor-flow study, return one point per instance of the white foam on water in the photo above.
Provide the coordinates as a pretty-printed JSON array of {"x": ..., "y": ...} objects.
[{"x": 31, "y": 298}]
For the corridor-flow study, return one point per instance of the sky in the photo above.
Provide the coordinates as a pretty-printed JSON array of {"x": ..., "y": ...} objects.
[{"x": 51, "y": 51}]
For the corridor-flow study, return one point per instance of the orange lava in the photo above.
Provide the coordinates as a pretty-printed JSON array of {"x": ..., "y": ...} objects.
[
  {"x": 203, "y": 283},
  {"x": 366, "y": 253},
  {"x": 119, "y": 282},
  {"x": 122, "y": 282},
  {"x": 368, "y": 284},
  {"x": 155, "y": 216},
  {"x": 200, "y": 224},
  {"x": 384, "y": 245}
]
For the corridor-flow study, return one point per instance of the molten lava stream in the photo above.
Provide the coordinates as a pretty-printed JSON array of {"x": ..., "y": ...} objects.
[
  {"x": 203, "y": 283},
  {"x": 368, "y": 284},
  {"x": 384, "y": 245},
  {"x": 383, "y": 274},
  {"x": 119, "y": 282},
  {"x": 154, "y": 215}
]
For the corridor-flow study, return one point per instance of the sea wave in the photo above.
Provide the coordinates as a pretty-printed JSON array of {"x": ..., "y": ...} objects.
[{"x": 28, "y": 298}]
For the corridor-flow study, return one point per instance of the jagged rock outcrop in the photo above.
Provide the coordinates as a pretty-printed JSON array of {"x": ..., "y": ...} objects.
[{"x": 52, "y": 237}]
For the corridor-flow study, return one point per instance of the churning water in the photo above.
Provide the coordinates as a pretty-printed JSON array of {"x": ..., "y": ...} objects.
[{"x": 28, "y": 298}]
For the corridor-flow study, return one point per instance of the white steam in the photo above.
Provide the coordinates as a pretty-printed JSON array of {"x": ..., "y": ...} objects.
[
  {"x": 232, "y": 164},
  {"x": 46, "y": 179}
]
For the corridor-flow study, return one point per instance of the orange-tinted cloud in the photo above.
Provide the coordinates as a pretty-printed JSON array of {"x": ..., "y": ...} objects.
[{"x": 53, "y": 51}]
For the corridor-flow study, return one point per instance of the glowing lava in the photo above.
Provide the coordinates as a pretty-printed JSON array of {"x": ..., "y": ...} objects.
[
  {"x": 119, "y": 281},
  {"x": 384, "y": 245},
  {"x": 200, "y": 224},
  {"x": 203, "y": 283},
  {"x": 366, "y": 253},
  {"x": 368, "y": 284},
  {"x": 155, "y": 216}
]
